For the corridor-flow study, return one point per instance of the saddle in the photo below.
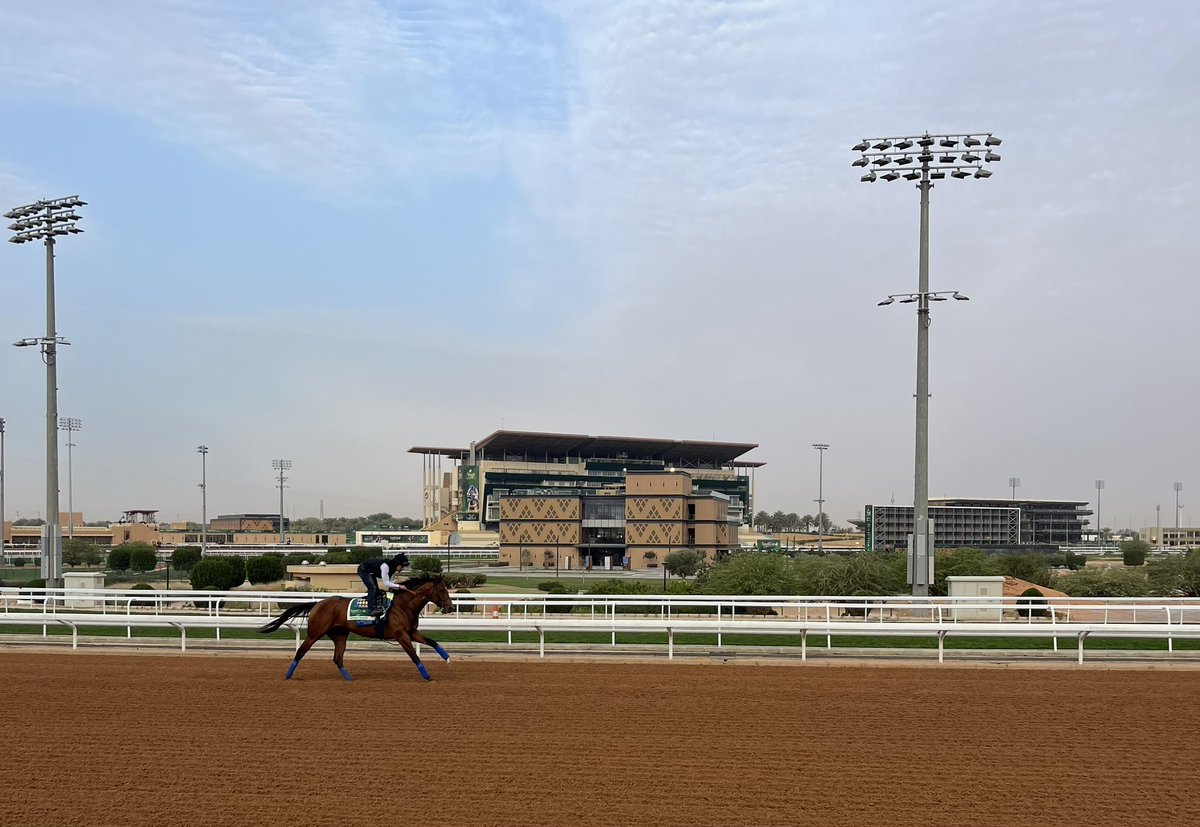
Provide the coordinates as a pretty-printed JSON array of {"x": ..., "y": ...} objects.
[{"x": 359, "y": 611}]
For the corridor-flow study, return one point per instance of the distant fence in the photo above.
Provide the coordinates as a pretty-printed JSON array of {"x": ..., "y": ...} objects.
[{"x": 1074, "y": 619}]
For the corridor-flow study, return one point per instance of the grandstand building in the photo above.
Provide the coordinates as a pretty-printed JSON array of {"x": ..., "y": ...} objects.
[
  {"x": 553, "y": 500},
  {"x": 981, "y": 523}
]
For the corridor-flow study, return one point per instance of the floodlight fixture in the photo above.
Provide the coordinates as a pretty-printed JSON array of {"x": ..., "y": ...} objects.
[
  {"x": 890, "y": 176},
  {"x": 904, "y": 159},
  {"x": 948, "y": 142},
  {"x": 983, "y": 173},
  {"x": 991, "y": 157},
  {"x": 969, "y": 141},
  {"x": 992, "y": 140},
  {"x": 887, "y": 301},
  {"x": 862, "y": 146},
  {"x": 869, "y": 177}
]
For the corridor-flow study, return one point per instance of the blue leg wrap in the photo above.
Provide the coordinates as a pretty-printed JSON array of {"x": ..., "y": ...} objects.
[
  {"x": 445, "y": 655},
  {"x": 345, "y": 674},
  {"x": 424, "y": 672},
  {"x": 291, "y": 669}
]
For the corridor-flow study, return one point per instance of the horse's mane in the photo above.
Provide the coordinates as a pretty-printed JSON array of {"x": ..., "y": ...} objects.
[{"x": 420, "y": 580}]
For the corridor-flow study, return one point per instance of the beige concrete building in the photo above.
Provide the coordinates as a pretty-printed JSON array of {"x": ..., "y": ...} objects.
[{"x": 636, "y": 526}]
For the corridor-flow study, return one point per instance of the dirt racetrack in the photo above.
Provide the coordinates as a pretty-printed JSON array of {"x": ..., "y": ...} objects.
[{"x": 199, "y": 740}]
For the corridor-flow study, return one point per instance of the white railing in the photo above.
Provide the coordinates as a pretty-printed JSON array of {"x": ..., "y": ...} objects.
[{"x": 795, "y": 616}]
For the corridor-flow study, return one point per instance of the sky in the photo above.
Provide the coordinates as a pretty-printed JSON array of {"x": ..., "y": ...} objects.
[{"x": 331, "y": 231}]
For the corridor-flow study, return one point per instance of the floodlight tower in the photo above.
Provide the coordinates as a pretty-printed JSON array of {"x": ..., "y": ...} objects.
[
  {"x": 281, "y": 465},
  {"x": 70, "y": 424},
  {"x": 1099, "y": 525},
  {"x": 43, "y": 221},
  {"x": 1, "y": 490},
  {"x": 914, "y": 158},
  {"x": 1014, "y": 483}
]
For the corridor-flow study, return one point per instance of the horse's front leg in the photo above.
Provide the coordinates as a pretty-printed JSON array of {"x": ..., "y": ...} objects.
[
  {"x": 428, "y": 641},
  {"x": 405, "y": 641}
]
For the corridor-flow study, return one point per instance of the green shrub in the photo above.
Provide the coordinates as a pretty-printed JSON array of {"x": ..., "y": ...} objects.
[
  {"x": 1105, "y": 582},
  {"x": 1027, "y": 606},
  {"x": 553, "y": 587},
  {"x": 684, "y": 562},
  {"x": 360, "y": 554},
  {"x": 19, "y": 562},
  {"x": 337, "y": 558},
  {"x": 1030, "y": 567},
  {"x": 424, "y": 564},
  {"x": 184, "y": 557},
  {"x": 265, "y": 569},
  {"x": 80, "y": 553},
  {"x": 118, "y": 558},
  {"x": 142, "y": 587},
  {"x": 238, "y": 565},
  {"x": 215, "y": 573},
  {"x": 1133, "y": 552},
  {"x": 296, "y": 558},
  {"x": 142, "y": 556},
  {"x": 37, "y": 583},
  {"x": 465, "y": 580}
]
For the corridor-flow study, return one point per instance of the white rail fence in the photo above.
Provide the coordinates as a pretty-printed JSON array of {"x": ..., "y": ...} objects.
[{"x": 795, "y": 617}]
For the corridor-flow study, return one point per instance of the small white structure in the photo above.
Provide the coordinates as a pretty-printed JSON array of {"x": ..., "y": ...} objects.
[
  {"x": 987, "y": 589},
  {"x": 83, "y": 580}
]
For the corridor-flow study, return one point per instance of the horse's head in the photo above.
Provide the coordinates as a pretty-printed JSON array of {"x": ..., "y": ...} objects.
[{"x": 440, "y": 596}]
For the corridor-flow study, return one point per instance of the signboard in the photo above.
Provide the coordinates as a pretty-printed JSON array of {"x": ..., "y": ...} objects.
[{"x": 468, "y": 488}]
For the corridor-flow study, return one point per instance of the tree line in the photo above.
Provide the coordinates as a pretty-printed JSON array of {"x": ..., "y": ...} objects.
[{"x": 780, "y": 522}]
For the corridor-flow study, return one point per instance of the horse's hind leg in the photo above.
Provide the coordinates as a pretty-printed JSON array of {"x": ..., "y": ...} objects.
[
  {"x": 428, "y": 641},
  {"x": 340, "y": 637},
  {"x": 304, "y": 647}
]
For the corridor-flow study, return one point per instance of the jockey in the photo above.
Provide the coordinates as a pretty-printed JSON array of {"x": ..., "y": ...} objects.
[{"x": 368, "y": 570}]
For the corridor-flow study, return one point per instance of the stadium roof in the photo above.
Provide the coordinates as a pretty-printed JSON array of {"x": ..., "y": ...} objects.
[{"x": 534, "y": 444}]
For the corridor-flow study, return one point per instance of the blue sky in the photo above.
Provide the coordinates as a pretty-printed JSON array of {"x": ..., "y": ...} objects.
[{"x": 330, "y": 231}]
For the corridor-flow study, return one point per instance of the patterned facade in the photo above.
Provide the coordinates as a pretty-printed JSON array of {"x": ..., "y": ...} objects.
[{"x": 637, "y": 527}]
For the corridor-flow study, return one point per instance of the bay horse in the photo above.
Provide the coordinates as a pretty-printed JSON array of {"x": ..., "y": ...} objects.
[{"x": 328, "y": 617}]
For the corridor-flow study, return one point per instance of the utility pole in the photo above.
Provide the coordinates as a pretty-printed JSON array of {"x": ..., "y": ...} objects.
[
  {"x": 43, "y": 220},
  {"x": 281, "y": 465}
]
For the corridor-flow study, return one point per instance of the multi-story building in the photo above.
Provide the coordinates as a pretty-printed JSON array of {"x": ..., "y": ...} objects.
[
  {"x": 1171, "y": 537},
  {"x": 582, "y": 499},
  {"x": 981, "y": 523}
]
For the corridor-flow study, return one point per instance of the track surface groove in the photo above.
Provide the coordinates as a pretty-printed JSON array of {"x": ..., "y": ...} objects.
[{"x": 139, "y": 740}]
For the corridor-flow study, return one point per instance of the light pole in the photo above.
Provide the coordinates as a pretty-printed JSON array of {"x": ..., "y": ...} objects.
[
  {"x": 281, "y": 465},
  {"x": 1014, "y": 483},
  {"x": 43, "y": 221},
  {"x": 203, "y": 451},
  {"x": 913, "y": 159},
  {"x": 70, "y": 425},
  {"x": 1178, "y": 509},
  {"x": 821, "y": 448},
  {"x": 1, "y": 491},
  {"x": 1099, "y": 525}
]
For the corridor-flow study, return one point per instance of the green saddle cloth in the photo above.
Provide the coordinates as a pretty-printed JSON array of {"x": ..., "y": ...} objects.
[{"x": 360, "y": 611}]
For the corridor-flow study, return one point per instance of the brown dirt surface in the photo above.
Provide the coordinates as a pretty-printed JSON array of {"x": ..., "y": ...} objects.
[{"x": 195, "y": 740}]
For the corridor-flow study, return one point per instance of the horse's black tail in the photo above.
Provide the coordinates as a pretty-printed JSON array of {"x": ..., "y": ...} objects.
[{"x": 287, "y": 614}]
